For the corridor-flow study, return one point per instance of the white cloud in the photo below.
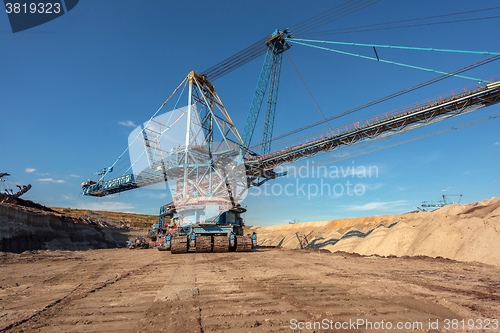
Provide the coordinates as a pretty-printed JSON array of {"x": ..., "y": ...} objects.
[
  {"x": 51, "y": 180},
  {"x": 374, "y": 186},
  {"x": 497, "y": 143},
  {"x": 29, "y": 170},
  {"x": 379, "y": 205},
  {"x": 74, "y": 176},
  {"x": 127, "y": 123},
  {"x": 107, "y": 206}
]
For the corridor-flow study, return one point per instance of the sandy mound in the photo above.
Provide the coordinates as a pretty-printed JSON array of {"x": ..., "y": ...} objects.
[{"x": 460, "y": 232}]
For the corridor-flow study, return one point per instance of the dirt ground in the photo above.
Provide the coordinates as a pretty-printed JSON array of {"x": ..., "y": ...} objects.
[{"x": 269, "y": 290}]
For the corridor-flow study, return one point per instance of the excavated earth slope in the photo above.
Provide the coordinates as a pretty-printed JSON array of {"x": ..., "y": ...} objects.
[
  {"x": 23, "y": 228},
  {"x": 468, "y": 232}
]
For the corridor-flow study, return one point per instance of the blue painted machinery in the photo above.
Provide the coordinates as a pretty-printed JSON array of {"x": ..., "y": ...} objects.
[
  {"x": 223, "y": 233},
  {"x": 212, "y": 174}
]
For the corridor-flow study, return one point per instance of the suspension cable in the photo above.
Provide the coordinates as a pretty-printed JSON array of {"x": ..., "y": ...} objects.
[
  {"x": 394, "y": 46},
  {"x": 369, "y": 27},
  {"x": 239, "y": 59},
  {"x": 331, "y": 15},
  {"x": 391, "y": 96},
  {"x": 167, "y": 127},
  {"x": 304, "y": 24},
  {"x": 258, "y": 48},
  {"x": 308, "y": 91},
  {"x": 390, "y": 62},
  {"x": 138, "y": 134}
]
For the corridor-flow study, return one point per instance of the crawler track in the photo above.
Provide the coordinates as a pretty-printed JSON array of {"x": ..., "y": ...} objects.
[
  {"x": 243, "y": 243},
  {"x": 179, "y": 245},
  {"x": 221, "y": 244},
  {"x": 204, "y": 244}
]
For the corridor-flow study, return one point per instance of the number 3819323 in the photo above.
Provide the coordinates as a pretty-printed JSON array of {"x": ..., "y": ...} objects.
[{"x": 33, "y": 8}]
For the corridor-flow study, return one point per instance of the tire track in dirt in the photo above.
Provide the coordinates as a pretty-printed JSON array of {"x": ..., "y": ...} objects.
[
  {"x": 176, "y": 305},
  {"x": 216, "y": 292},
  {"x": 230, "y": 299},
  {"x": 262, "y": 291},
  {"x": 64, "y": 313},
  {"x": 461, "y": 290},
  {"x": 22, "y": 321},
  {"x": 243, "y": 292}
]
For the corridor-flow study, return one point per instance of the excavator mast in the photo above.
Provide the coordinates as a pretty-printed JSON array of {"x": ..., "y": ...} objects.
[{"x": 269, "y": 77}]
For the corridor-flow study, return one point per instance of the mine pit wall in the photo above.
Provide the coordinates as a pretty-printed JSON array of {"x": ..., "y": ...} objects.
[{"x": 23, "y": 229}]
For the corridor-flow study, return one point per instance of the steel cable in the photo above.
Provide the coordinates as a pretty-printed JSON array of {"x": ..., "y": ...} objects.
[
  {"x": 368, "y": 27},
  {"x": 388, "y": 97}
]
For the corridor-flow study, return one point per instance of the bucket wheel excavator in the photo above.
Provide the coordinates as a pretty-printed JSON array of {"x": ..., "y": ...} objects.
[
  {"x": 208, "y": 166},
  {"x": 11, "y": 189}
]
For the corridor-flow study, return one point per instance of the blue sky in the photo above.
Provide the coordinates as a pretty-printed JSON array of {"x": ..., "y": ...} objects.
[{"x": 73, "y": 89}]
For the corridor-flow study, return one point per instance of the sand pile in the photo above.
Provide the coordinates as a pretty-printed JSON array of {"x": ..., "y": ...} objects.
[{"x": 461, "y": 232}]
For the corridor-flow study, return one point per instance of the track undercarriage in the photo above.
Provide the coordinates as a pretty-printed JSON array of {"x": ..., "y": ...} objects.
[
  {"x": 223, "y": 233},
  {"x": 210, "y": 243}
]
